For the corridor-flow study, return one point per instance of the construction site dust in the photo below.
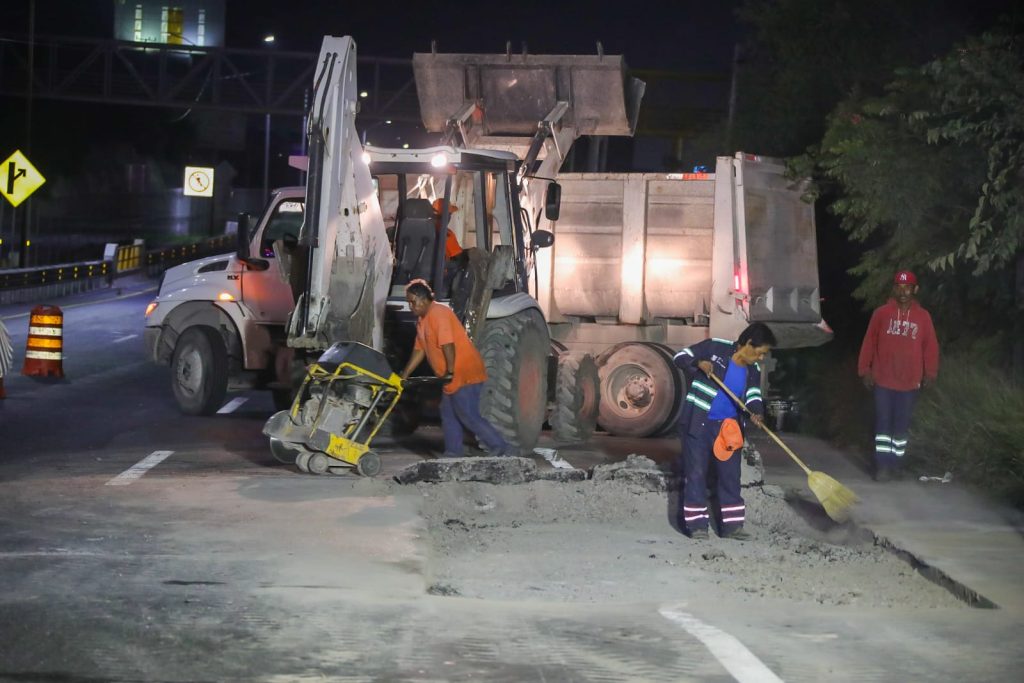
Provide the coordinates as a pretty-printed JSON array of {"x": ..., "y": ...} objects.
[{"x": 614, "y": 540}]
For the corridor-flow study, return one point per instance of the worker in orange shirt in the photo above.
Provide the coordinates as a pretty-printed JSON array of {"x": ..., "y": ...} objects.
[
  {"x": 452, "y": 248},
  {"x": 441, "y": 339}
]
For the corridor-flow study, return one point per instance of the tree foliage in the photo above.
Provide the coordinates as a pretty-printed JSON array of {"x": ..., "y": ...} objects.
[
  {"x": 930, "y": 175},
  {"x": 804, "y": 56}
]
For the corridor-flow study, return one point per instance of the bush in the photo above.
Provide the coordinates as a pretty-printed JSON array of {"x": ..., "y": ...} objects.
[
  {"x": 834, "y": 404},
  {"x": 970, "y": 424}
]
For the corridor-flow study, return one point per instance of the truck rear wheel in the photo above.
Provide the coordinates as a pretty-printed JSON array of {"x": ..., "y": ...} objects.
[
  {"x": 199, "y": 371},
  {"x": 577, "y": 398},
  {"x": 679, "y": 391},
  {"x": 639, "y": 391},
  {"x": 515, "y": 351}
]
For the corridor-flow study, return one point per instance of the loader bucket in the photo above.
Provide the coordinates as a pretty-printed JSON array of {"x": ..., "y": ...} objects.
[{"x": 516, "y": 91}]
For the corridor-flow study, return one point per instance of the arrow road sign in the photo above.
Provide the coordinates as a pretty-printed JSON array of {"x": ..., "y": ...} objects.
[{"x": 19, "y": 178}]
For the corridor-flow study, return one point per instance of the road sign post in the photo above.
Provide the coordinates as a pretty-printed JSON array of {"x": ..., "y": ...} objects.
[{"x": 199, "y": 183}]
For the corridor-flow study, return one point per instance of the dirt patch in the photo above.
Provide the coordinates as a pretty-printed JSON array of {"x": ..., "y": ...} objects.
[{"x": 601, "y": 541}]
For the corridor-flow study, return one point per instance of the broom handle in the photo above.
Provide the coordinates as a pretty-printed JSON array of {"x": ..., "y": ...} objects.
[{"x": 770, "y": 432}]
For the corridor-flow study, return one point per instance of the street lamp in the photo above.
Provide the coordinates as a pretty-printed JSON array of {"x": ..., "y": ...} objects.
[{"x": 268, "y": 41}]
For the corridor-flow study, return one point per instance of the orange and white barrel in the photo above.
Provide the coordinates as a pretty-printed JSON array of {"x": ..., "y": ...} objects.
[{"x": 44, "y": 350}]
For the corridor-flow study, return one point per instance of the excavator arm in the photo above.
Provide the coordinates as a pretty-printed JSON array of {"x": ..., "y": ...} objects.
[{"x": 342, "y": 265}]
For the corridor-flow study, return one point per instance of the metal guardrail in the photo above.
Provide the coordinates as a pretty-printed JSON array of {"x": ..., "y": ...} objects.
[
  {"x": 159, "y": 260},
  {"x": 25, "y": 284},
  {"x": 28, "y": 284},
  {"x": 48, "y": 275}
]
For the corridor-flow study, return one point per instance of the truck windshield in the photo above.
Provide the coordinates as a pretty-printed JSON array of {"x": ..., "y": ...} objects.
[{"x": 284, "y": 224}]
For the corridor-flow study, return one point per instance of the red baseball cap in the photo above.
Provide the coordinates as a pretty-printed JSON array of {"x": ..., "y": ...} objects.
[{"x": 905, "y": 277}]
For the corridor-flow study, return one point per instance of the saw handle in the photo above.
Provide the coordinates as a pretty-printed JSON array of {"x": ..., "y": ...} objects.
[{"x": 777, "y": 440}]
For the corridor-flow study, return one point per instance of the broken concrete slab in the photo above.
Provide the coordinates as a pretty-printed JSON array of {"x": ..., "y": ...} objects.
[
  {"x": 636, "y": 470},
  {"x": 513, "y": 470},
  {"x": 645, "y": 480},
  {"x": 562, "y": 476}
]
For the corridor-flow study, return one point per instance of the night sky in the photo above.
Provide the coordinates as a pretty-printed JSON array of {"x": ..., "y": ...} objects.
[
  {"x": 655, "y": 35},
  {"x": 652, "y": 34}
]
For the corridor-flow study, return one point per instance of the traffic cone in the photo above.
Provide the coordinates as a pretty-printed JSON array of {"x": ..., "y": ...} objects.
[{"x": 44, "y": 349}]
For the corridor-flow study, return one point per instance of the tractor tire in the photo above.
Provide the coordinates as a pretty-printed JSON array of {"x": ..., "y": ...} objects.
[
  {"x": 515, "y": 351},
  {"x": 289, "y": 381},
  {"x": 639, "y": 391},
  {"x": 403, "y": 420},
  {"x": 577, "y": 397},
  {"x": 199, "y": 371}
]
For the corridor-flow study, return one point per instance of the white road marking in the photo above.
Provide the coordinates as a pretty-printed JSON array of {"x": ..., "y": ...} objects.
[
  {"x": 140, "y": 468},
  {"x": 740, "y": 662},
  {"x": 125, "y": 338},
  {"x": 232, "y": 405}
]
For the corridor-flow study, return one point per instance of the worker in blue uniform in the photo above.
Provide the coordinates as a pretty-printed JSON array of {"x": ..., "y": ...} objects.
[{"x": 709, "y": 438}]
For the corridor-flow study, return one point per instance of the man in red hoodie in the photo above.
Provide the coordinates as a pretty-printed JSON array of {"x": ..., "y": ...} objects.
[{"x": 899, "y": 355}]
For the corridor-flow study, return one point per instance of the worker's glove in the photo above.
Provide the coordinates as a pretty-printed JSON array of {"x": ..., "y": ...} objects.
[{"x": 868, "y": 380}]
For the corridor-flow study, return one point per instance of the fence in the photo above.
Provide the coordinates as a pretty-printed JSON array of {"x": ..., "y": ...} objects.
[{"x": 31, "y": 284}]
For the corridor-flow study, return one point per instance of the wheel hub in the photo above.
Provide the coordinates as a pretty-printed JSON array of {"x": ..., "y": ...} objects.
[
  {"x": 190, "y": 372},
  {"x": 639, "y": 391}
]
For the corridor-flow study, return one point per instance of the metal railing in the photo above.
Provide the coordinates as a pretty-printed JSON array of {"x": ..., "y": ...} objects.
[
  {"x": 159, "y": 260},
  {"x": 21, "y": 285}
]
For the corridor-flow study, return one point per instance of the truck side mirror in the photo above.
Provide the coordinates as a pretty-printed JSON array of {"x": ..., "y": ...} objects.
[
  {"x": 541, "y": 239},
  {"x": 242, "y": 237},
  {"x": 242, "y": 245},
  {"x": 552, "y": 201}
]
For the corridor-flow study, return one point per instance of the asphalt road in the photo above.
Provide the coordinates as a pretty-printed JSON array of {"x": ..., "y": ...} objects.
[{"x": 212, "y": 562}]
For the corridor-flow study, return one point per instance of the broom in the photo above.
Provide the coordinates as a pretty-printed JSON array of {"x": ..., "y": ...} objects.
[{"x": 833, "y": 496}]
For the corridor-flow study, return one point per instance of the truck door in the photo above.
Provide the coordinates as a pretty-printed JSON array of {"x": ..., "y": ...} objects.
[{"x": 267, "y": 292}]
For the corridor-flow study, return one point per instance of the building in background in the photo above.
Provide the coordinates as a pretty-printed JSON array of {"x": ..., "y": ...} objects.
[{"x": 174, "y": 22}]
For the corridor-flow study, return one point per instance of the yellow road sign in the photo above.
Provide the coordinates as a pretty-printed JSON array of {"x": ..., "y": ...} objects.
[
  {"x": 19, "y": 178},
  {"x": 198, "y": 181}
]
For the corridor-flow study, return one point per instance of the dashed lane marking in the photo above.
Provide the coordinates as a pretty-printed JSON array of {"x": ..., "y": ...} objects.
[
  {"x": 232, "y": 405},
  {"x": 740, "y": 662},
  {"x": 124, "y": 338},
  {"x": 136, "y": 471}
]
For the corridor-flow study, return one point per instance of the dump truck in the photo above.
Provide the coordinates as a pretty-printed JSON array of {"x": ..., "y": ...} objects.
[
  {"x": 644, "y": 264},
  {"x": 327, "y": 263}
]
